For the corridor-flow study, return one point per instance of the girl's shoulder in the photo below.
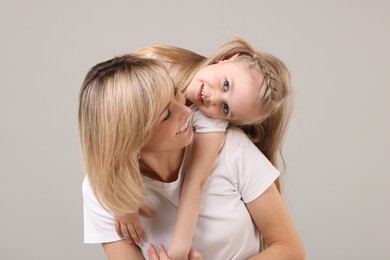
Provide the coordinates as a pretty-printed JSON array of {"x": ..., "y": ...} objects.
[{"x": 204, "y": 124}]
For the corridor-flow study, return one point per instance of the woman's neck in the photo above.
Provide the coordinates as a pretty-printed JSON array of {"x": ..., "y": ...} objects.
[{"x": 162, "y": 167}]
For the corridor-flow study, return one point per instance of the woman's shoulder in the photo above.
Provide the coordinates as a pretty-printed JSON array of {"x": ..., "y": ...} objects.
[
  {"x": 246, "y": 165},
  {"x": 237, "y": 138},
  {"x": 88, "y": 194},
  {"x": 239, "y": 148}
]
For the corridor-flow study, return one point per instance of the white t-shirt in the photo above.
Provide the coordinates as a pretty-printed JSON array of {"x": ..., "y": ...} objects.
[
  {"x": 224, "y": 229},
  {"x": 204, "y": 124}
]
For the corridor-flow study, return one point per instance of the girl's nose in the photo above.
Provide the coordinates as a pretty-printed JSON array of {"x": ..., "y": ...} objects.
[{"x": 214, "y": 97}]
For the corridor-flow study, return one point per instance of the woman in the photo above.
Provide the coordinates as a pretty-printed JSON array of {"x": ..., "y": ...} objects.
[{"x": 128, "y": 107}]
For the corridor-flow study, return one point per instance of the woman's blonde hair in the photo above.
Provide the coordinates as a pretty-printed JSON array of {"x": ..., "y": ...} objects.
[
  {"x": 268, "y": 129},
  {"x": 120, "y": 101}
]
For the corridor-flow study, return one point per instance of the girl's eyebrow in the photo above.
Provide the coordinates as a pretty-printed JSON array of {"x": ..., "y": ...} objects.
[{"x": 231, "y": 81}]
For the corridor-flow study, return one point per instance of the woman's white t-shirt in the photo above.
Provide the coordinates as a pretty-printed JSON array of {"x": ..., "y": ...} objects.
[{"x": 224, "y": 229}]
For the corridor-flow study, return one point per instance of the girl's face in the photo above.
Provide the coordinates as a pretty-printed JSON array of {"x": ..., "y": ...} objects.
[
  {"x": 172, "y": 130},
  {"x": 227, "y": 90}
]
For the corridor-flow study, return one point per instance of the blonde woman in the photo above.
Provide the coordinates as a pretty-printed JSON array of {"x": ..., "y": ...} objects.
[
  {"x": 237, "y": 85},
  {"x": 134, "y": 132}
]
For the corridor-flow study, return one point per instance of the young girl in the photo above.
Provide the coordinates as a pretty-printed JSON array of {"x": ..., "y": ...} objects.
[{"x": 237, "y": 85}]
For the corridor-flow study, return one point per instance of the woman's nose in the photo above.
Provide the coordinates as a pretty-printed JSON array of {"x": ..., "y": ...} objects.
[{"x": 185, "y": 110}]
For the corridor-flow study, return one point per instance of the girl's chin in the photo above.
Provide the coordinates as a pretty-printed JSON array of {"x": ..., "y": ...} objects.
[
  {"x": 191, "y": 98},
  {"x": 191, "y": 94}
]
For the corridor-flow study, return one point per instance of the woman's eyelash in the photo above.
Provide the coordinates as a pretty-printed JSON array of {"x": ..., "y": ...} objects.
[{"x": 168, "y": 115}]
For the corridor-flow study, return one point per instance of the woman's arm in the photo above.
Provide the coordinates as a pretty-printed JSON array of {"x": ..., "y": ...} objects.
[
  {"x": 204, "y": 153},
  {"x": 122, "y": 250},
  {"x": 271, "y": 217}
]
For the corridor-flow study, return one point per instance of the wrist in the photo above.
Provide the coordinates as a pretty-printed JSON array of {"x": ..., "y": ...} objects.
[{"x": 176, "y": 252}]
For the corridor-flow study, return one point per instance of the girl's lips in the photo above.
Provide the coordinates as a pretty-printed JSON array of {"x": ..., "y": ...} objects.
[{"x": 200, "y": 96}]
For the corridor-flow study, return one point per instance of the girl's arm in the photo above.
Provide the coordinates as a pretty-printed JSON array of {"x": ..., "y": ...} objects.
[
  {"x": 129, "y": 225},
  {"x": 163, "y": 255},
  {"x": 272, "y": 219},
  {"x": 204, "y": 153}
]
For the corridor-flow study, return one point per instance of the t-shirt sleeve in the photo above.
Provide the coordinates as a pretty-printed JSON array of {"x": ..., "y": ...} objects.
[
  {"x": 204, "y": 124},
  {"x": 99, "y": 226},
  {"x": 252, "y": 171}
]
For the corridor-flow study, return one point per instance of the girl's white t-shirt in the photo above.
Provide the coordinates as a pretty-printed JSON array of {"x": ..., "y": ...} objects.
[
  {"x": 203, "y": 124},
  {"x": 224, "y": 229}
]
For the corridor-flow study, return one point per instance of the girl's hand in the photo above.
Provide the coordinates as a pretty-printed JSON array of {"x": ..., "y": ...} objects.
[
  {"x": 194, "y": 255},
  {"x": 129, "y": 225},
  {"x": 153, "y": 255}
]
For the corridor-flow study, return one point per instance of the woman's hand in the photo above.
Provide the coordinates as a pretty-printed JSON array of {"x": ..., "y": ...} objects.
[
  {"x": 163, "y": 255},
  {"x": 129, "y": 225}
]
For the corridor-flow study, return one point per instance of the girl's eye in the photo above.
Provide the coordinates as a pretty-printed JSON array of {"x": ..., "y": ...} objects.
[
  {"x": 226, "y": 85},
  {"x": 225, "y": 109},
  {"x": 168, "y": 115}
]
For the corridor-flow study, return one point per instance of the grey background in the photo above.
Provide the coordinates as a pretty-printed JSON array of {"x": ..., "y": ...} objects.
[{"x": 337, "y": 148}]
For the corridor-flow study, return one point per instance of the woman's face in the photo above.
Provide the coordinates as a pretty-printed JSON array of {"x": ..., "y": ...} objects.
[
  {"x": 172, "y": 130},
  {"x": 227, "y": 90}
]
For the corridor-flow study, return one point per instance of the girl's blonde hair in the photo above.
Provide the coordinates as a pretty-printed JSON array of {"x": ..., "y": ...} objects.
[
  {"x": 268, "y": 129},
  {"x": 120, "y": 101}
]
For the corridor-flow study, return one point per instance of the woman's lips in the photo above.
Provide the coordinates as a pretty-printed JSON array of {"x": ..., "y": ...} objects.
[{"x": 184, "y": 127}]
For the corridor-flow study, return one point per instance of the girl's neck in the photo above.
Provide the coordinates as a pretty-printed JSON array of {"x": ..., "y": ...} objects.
[
  {"x": 188, "y": 102},
  {"x": 163, "y": 167}
]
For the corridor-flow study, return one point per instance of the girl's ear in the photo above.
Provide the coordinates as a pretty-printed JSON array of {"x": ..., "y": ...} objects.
[{"x": 230, "y": 57}]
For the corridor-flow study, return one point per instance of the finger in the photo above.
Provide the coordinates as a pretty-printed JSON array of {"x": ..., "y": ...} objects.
[
  {"x": 152, "y": 252},
  {"x": 133, "y": 233},
  {"x": 126, "y": 233},
  {"x": 138, "y": 228},
  {"x": 148, "y": 211},
  {"x": 163, "y": 253},
  {"x": 194, "y": 255},
  {"x": 118, "y": 228}
]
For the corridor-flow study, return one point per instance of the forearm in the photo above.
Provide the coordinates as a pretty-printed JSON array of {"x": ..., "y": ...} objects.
[
  {"x": 201, "y": 164},
  {"x": 281, "y": 252},
  {"x": 199, "y": 168},
  {"x": 187, "y": 216}
]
